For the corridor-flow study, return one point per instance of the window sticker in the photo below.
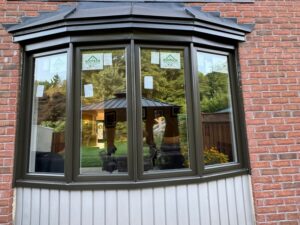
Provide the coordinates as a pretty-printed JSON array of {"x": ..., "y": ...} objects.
[
  {"x": 154, "y": 57},
  {"x": 170, "y": 60},
  {"x": 40, "y": 91},
  {"x": 148, "y": 82},
  {"x": 88, "y": 90},
  {"x": 58, "y": 65},
  {"x": 107, "y": 59},
  {"x": 92, "y": 61}
]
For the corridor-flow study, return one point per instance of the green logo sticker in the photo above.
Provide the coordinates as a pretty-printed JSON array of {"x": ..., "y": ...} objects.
[
  {"x": 170, "y": 60},
  {"x": 92, "y": 61}
]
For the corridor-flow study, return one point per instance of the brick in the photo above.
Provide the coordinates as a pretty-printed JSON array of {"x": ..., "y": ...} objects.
[
  {"x": 275, "y": 121},
  {"x": 265, "y": 142},
  {"x": 267, "y": 157},
  {"x": 262, "y": 115},
  {"x": 260, "y": 165},
  {"x": 275, "y": 217},
  {"x": 292, "y": 216},
  {"x": 283, "y": 127},
  {"x": 266, "y": 209},
  {"x": 291, "y": 185},
  {"x": 274, "y": 202},
  {"x": 271, "y": 187},
  {"x": 279, "y": 100},
  {"x": 282, "y": 114},
  {"x": 285, "y": 193},
  {"x": 281, "y": 163},
  {"x": 265, "y": 128},
  {"x": 289, "y": 223},
  {"x": 288, "y": 156},
  {"x": 284, "y": 141},
  {"x": 269, "y": 171},
  {"x": 289, "y": 170},
  {"x": 262, "y": 179},
  {"x": 277, "y": 135}
]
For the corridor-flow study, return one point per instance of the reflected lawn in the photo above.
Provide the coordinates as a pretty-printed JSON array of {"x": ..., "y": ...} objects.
[{"x": 90, "y": 155}]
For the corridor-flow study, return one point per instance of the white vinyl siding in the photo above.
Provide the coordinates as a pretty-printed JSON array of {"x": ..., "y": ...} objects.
[{"x": 222, "y": 202}]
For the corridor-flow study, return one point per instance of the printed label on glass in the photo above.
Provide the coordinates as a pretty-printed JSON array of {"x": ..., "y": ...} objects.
[
  {"x": 170, "y": 60},
  {"x": 92, "y": 61},
  {"x": 107, "y": 58},
  {"x": 148, "y": 82},
  {"x": 40, "y": 91},
  {"x": 58, "y": 65},
  {"x": 154, "y": 57},
  {"x": 88, "y": 90}
]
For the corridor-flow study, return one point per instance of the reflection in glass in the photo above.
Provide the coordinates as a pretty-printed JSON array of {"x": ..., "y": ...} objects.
[
  {"x": 47, "y": 143},
  {"x": 103, "y": 112},
  {"x": 216, "y": 108},
  {"x": 165, "y": 141}
]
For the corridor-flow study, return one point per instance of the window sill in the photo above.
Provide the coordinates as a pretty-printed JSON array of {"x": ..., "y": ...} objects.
[{"x": 127, "y": 184}]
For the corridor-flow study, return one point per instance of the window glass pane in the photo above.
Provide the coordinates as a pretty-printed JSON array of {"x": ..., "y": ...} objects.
[
  {"x": 103, "y": 112},
  {"x": 216, "y": 109},
  {"x": 165, "y": 138},
  {"x": 47, "y": 144}
]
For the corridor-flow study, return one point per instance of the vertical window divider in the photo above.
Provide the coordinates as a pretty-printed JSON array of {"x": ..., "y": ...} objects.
[
  {"x": 132, "y": 112},
  {"x": 76, "y": 115},
  {"x": 29, "y": 83},
  {"x": 197, "y": 111},
  {"x": 139, "y": 130},
  {"x": 189, "y": 100},
  {"x": 234, "y": 101},
  {"x": 70, "y": 131}
]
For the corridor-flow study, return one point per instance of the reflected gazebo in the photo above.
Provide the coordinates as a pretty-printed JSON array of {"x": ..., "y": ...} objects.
[{"x": 109, "y": 112}]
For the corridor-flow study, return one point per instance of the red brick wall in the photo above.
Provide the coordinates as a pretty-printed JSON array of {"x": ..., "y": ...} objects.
[
  {"x": 9, "y": 85},
  {"x": 270, "y": 65}
]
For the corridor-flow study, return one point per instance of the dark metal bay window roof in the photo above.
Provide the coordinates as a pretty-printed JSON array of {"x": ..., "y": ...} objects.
[{"x": 91, "y": 16}]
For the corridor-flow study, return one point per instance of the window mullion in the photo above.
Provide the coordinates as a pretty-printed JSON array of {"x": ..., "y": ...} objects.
[
  {"x": 25, "y": 115},
  {"x": 196, "y": 109},
  {"x": 70, "y": 131},
  {"x": 132, "y": 112},
  {"x": 76, "y": 115}
]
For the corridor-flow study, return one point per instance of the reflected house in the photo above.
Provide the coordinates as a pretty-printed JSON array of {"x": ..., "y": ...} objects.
[{"x": 110, "y": 112}]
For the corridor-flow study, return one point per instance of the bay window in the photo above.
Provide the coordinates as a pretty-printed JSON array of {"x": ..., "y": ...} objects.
[{"x": 130, "y": 107}]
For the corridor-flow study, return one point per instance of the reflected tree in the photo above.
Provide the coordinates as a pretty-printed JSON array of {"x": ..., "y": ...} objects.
[{"x": 213, "y": 91}]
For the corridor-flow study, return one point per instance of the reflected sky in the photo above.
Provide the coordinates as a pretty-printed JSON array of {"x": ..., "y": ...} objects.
[
  {"x": 208, "y": 63},
  {"x": 48, "y": 66}
]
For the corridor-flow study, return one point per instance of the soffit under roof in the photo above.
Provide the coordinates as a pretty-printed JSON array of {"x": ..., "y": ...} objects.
[{"x": 114, "y": 15}]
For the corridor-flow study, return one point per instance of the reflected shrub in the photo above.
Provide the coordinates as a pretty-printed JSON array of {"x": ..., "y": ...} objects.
[{"x": 214, "y": 156}]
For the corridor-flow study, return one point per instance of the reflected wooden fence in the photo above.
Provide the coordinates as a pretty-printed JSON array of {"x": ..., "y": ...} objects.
[{"x": 216, "y": 130}]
